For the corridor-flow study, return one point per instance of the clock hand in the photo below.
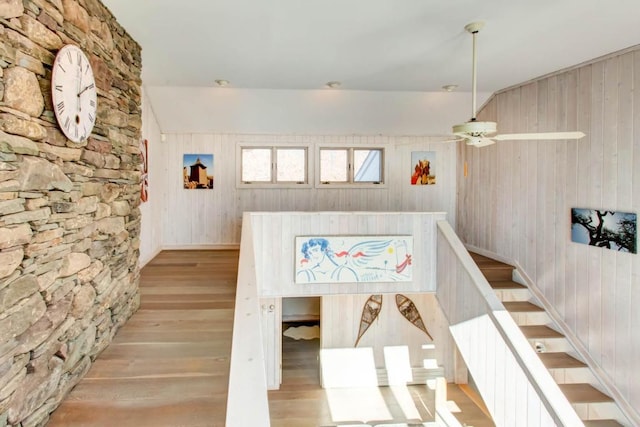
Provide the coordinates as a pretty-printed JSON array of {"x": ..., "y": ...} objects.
[
  {"x": 79, "y": 83},
  {"x": 83, "y": 90}
]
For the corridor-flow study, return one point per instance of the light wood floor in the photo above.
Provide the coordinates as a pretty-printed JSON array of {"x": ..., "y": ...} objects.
[
  {"x": 169, "y": 365},
  {"x": 301, "y": 402}
]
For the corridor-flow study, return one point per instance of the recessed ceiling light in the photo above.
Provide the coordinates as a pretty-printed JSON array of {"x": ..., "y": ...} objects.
[
  {"x": 222, "y": 83},
  {"x": 450, "y": 88},
  {"x": 333, "y": 84}
]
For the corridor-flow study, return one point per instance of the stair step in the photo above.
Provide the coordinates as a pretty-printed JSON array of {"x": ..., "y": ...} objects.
[
  {"x": 492, "y": 269},
  {"x": 602, "y": 423},
  {"x": 560, "y": 361},
  {"x": 573, "y": 376},
  {"x": 507, "y": 290},
  {"x": 505, "y": 284},
  {"x": 484, "y": 261},
  {"x": 522, "y": 307},
  {"x": 525, "y": 313},
  {"x": 540, "y": 332},
  {"x": 583, "y": 393}
]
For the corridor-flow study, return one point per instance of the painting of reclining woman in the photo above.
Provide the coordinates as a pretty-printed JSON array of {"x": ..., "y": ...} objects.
[{"x": 347, "y": 259}]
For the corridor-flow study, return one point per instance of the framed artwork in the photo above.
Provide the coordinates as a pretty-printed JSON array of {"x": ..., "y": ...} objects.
[
  {"x": 144, "y": 177},
  {"x": 197, "y": 171},
  {"x": 605, "y": 229},
  {"x": 423, "y": 167},
  {"x": 348, "y": 259}
]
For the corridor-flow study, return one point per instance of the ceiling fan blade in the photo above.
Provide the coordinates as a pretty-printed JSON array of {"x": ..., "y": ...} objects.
[
  {"x": 432, "y": 139},
  {"x": 538, "y": 135},
  {"x": 452, "y": 140}
]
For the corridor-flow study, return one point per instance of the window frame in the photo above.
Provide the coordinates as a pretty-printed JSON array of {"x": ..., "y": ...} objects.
[
  {"x": 350, "y": 183},
  {"x": 274, "y": 167}
]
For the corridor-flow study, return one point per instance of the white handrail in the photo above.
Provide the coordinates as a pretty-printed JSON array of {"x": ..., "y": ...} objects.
[
  {"x": 468, "y": 301},
  {"x": 247, "y": 399}
]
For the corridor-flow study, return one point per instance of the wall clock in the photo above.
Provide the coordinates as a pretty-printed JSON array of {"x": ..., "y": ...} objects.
[{"x": 73, "y": 91}]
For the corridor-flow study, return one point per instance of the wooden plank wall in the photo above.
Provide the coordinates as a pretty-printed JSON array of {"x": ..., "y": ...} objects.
[
  {"x": 213, "y": 217},
  {"x": 272, "y": 246},
  {"x": 516, "y": 201},
  {"x": 275, "y": 233},
  {"x": 342, "y": 313}
]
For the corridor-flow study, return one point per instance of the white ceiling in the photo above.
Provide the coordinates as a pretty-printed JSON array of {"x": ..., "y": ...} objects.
[{"x": 373, "y": 45}]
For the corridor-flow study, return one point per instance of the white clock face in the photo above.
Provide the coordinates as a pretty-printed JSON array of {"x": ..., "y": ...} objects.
[{"x": 73, "y": 91}]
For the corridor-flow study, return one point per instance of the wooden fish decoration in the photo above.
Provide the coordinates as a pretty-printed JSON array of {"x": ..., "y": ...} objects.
[
  {"x": 370, "y": 312},
  {"x": 410, "y": 312}
]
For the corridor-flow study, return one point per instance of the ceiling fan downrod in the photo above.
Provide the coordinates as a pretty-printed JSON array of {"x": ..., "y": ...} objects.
[{"x": 474, "y": 28}]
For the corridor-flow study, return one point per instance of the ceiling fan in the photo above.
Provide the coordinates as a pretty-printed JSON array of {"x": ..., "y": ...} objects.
[{"x": 481, "y": 134}]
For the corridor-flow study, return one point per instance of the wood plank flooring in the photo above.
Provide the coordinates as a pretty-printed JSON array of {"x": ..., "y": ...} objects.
[
  {"x": 301, "y": 402},
  {"x": 169, "y": 365}
]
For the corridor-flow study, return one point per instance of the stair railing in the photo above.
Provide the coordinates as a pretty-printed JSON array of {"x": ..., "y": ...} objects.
[
  {"x": 247, "y": 399},
  {"x": 513, "y": 382}
]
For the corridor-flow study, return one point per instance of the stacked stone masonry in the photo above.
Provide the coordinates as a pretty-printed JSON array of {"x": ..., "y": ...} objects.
[{"x": 69, "y": 216}]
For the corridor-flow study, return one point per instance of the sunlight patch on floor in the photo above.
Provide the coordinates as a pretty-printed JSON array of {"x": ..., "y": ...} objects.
[{"x": 357, "y": 404}]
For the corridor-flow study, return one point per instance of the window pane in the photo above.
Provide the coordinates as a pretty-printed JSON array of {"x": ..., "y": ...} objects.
[
  {"x": 333, "y": 166},
  {"x": 291, "y": 165},
  {"x": 367, "y": 165},
  {"x": 256, "y": 164}
]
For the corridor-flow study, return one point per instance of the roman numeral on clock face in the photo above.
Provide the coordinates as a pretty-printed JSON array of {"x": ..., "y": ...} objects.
[{"x": 60, "y": 107}]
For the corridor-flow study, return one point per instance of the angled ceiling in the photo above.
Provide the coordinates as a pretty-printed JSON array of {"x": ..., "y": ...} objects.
[{"x": 372, "y": 45}]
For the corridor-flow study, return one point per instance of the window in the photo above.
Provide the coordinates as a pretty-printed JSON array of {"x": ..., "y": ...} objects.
[
  {"x": 351, "y": 166},
  {"x": 283, "y": 165}
]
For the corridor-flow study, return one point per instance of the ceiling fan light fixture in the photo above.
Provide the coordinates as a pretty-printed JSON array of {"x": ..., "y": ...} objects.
[
  {"x": 475, "y": 129},
  {"x": 479, "y": 141}
]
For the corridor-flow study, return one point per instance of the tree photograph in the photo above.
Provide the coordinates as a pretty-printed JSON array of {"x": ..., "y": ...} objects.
[{"x": 605, "y": 229}]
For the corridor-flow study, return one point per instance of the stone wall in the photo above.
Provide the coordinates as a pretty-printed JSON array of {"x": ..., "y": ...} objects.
[{"x": 69, "y": 216}]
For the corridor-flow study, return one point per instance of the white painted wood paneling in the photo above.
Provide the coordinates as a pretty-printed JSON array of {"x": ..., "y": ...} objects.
[
  {"x": 594, "y": 291},
  {"x": 151, "y": 211},
  {"x": 201, "y": 218},
  {"x": 342, "y": 313},
  {"x": 271, "y": 322},
  {"x": 247, "y": 369},
  {"x": 274, "y": 245}
]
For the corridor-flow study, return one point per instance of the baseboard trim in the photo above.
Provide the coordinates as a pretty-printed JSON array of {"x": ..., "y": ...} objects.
[
  {"x": 148, "y": 260},
  {"x": 219, "y": 246},
  {"x": 419, "y": 375}
]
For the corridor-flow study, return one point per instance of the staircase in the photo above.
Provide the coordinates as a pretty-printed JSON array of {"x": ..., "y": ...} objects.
[{"x": 573, "y": 376}]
